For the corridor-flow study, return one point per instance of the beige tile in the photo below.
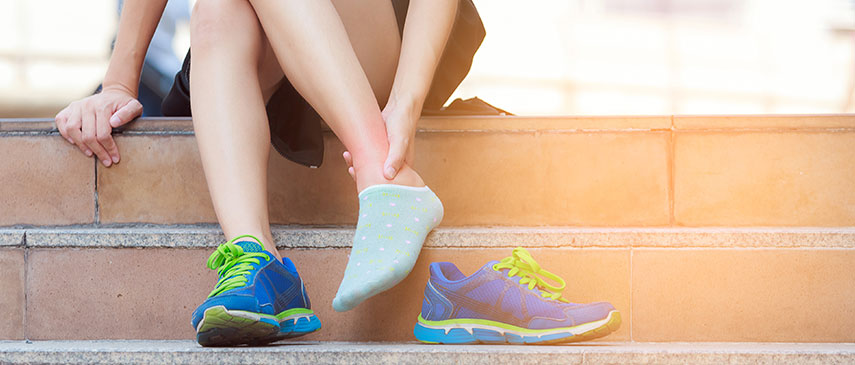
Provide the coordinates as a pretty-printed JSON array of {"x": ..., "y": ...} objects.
[
  {"x": 783, "y": 295},
  {"x": 150, "y": 294},
  {"x": 484, "y": 178},
  {"x": 159, "y": 180},
  {"x": 12, "y": 294},
  {"x": 153, "y": 186},
  {"x": 300, "y": 195},
  {"x": 545, "y": 179},
  {"x": 150, "y": 185},
  {"x": 764, "y": 121},
  {"x": 45, "y": 181},
  {"x": 605, "y": 179},
  {"x": 765, "y": 179},
  {"x": 115, "y": 293},
  {"x": 587, "y": 179}
]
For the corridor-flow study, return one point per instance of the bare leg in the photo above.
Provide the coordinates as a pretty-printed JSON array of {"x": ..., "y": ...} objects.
[
  {"x": 316, "y": 49},
  {"x": 229, "y": 51},
  {"x": 312, "y": 46}
]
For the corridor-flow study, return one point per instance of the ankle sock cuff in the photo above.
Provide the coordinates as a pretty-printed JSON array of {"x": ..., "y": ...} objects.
[{"x": 381, "y": 187}]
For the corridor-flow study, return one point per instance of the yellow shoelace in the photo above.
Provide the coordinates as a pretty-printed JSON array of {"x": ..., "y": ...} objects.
[
  {"x": 523, "y": 265},
  {"x": 232, "y": 265}
]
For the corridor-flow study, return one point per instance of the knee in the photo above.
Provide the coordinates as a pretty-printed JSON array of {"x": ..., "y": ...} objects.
[{"x": 214, "y": 22}]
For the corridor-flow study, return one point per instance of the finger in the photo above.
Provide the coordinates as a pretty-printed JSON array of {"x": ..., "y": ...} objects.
[
  {"x": 64, "y": 113},
  {"x": 103, "y": 133},
  {"x": 126, "y": 113},
  {"x": 395, "y": 159},
  {"x": 90, "y": 137},
  {"x": 61, "y": 121},
  {"x": 74, "y": 130},
  {"x": 348, "y": 158}
]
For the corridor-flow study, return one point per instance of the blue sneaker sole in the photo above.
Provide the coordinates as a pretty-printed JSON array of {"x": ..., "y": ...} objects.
[
  {"x": 297, "y": 326},
  {"x": 461, "y": 331},
  {"x": 222, "y": 327}
]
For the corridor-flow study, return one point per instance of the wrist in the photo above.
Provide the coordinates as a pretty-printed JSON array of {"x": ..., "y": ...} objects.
[
  {"x": 118, "y": 87},
  {"x": 123, "y": 73},
  {"x": 406, "y": 102}
]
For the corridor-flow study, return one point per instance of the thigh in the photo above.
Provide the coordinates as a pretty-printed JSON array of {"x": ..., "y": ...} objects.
[
  {"x": 373, "y": 31},
  {"x": 270, "y": 74},
  {"x": 231, "y": 28}
]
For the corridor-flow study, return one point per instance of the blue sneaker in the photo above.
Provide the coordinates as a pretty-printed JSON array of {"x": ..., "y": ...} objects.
[
  {"x": 506, "y": 301},
  {"x": 257, "y": 300}
]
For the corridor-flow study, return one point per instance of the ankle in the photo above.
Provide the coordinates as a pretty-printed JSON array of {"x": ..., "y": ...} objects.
[
  {"x": 270, "y": 245},
  {"x": 266, "y": 241},
  {"x": 409, "y": 177},
  {"x": 373, "y": 175}
]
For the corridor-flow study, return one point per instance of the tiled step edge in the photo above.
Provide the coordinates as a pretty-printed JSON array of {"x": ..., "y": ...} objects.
[
  {"x": 181, "y": 352},
  {"x": 747, "y": 122},
  {"x": 463, "y": 237}
]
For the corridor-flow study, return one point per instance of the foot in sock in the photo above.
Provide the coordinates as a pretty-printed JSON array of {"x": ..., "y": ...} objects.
[{"x": 393, "y": 223}]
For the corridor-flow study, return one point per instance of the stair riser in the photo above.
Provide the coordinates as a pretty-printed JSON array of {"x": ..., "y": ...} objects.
[
  {"x": 12, "y": 293},
  {"x": 693, "y": 177},
  {"x": 776, "y": 295},
  {"x": 44, "y": 180},
  {"x": 480, "y": 178}
]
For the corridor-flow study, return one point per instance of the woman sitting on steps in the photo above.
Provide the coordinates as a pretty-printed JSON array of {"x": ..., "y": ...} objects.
[{"x": 274, "y": 68}]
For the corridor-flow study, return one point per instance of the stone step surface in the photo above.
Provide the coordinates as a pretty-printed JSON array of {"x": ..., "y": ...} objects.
[
  {"x": 680, "y": 284},
  {"x": 652, "y": 171},
  {"x": 187, "y": 352},
  {"x": 307, "y": 237}
]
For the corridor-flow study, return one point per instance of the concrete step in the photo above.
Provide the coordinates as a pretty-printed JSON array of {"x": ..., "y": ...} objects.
[
  {"x": 724, "y": 228},
  {"x": 670, "y": 284},
  {"x": 187, "y": 352},
  {"x": 657, "y": 171}
]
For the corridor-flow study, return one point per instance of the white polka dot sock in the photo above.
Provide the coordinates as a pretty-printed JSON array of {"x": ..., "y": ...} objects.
[{"x": 393, "y": 223}]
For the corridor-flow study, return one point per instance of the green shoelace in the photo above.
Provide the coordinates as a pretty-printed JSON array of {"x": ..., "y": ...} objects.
[
  {"x": 523, "y": 265},
  {"x": 233, "y": 265}
]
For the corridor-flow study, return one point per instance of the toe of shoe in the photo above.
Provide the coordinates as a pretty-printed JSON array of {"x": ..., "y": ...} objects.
[
  {"x": 585, "y": 313},
  {"x": 229, "y": 301}
]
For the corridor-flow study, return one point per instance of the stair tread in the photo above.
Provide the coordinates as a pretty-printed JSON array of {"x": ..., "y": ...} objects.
[
  {"x": 204, "y": 236},
  {"x": 522, "y": 123},
  {"x": 370, "y": 353}
]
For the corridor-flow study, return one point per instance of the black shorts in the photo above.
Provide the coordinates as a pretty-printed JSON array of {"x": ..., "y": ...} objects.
[{"x": 295, "y": 127}]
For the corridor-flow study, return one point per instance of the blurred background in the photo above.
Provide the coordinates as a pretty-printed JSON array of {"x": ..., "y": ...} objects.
[{"x": 571, "y": 57}]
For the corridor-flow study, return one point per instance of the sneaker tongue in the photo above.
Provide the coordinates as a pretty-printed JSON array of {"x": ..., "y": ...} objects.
[{"x": 250, "y": 246}]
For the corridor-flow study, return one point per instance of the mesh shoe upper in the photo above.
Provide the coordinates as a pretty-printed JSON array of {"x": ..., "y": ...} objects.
[
  {"x": 271, "y": 287},
  {"x": 490, "y": 294}
]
